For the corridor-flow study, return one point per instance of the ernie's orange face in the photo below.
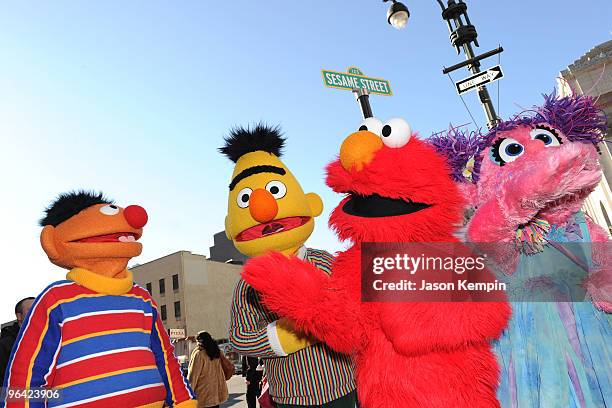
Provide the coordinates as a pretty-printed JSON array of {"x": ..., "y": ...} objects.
[{"x": 101, "y": 238}]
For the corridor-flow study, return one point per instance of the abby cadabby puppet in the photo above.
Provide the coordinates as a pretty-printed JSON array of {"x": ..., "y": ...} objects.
[{"x": 528, "y": 179}]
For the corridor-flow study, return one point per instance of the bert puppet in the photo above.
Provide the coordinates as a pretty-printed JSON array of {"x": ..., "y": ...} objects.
[
  {"x": 268, "y": 211},
  {"x": 95, "y": 339}
]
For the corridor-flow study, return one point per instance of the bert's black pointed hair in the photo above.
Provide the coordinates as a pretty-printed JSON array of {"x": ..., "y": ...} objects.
[
  {"x": 262, "y": 137},
  {"x": 68, "y": 204}
]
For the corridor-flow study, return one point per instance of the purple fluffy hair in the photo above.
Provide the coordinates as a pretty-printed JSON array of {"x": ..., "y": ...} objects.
[
  {"x": 459, "y": 146},
  {"x": 576, "y": 116}
]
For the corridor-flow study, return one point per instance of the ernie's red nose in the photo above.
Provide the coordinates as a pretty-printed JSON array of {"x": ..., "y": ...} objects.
[{"x": 136, "y": 216}]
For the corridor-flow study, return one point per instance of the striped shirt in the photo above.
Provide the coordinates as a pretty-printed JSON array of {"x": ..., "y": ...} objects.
[
  {"x": 99, "y": 350},
  {"x": 312, "y": 376}
]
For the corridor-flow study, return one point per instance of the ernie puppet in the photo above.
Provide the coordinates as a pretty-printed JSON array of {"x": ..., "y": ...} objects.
[
  {"x": 269, "y": 211},
  {"x": 95, "y": 337},
  {"x": 408, "y": 354}
]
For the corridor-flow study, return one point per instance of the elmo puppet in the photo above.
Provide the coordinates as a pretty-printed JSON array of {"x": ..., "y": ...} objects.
[{"x": 410, "y": 354}]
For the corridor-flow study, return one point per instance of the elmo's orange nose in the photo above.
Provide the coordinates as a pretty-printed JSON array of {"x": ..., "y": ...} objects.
[
  {"x": 262, "y": 206},
  {"x": 358, "y": 149}
]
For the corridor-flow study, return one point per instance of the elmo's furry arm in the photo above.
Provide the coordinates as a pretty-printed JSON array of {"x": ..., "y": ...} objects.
[
  {"x": 599, "y": 284},
  {"x": 297, "y": 290},
  {"x": 420, "y": 327}
]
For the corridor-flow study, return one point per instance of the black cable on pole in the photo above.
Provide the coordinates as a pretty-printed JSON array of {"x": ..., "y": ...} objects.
[
  {"x": 464, "y": 104},
  {"x": 498, "y": 63}
]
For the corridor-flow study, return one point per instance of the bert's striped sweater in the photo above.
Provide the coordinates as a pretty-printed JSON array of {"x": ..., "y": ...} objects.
[
  {"x": 315, "y": 375},
  {"x": 101, "y": 348}
]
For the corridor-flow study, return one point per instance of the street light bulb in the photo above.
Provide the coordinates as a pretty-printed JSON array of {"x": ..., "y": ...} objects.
[
  {"x": 399, "y": 20},
  {"x": 398, "y": 15}
]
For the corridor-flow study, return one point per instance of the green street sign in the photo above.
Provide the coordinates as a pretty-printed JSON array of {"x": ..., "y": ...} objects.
[{"x": 354, "y": 79}]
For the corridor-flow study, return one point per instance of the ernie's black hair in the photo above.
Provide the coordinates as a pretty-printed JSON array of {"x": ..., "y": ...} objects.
[
  {"x": 243, "y": 140},
  {"x": 69, "y": 204}
]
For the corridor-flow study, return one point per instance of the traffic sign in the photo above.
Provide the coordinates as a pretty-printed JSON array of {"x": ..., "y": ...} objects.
[
  {"x": 481, "y": 78},
  {"x": 354, "y": 79}
]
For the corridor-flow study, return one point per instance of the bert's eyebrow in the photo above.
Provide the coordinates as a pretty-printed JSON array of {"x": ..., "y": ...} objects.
[{"x": 255, "y": 170}]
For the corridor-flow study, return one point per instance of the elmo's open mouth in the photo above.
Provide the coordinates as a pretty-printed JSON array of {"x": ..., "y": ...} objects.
[
  {"x": 374, "y": 205},
  {"x": 271, "y": 228},
  {"x": 115, "y": 237}
]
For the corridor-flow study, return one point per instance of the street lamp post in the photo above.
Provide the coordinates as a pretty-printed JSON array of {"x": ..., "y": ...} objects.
[{"x": 462, "y": 35}]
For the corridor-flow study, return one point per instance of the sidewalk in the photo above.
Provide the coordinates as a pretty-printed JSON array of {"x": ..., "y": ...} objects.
[{"x": 237, "y": 390}]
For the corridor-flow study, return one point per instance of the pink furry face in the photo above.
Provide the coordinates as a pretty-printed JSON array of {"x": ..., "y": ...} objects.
[
  {"x": 539, "y": 166},
  {"x": 522, "y": 140}
]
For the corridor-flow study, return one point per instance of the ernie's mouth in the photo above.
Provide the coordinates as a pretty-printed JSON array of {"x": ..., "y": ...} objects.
[
  {"x": 374, "y": 205},
  {"x": 115, "y": 237},
  {"x": 271, "y": 228}
]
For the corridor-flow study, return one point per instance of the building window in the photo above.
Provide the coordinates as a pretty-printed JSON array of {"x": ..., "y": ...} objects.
[
  {"x": 162, "y": 287},
  {"x": 175, "y": 283},
  {"x": 149, "y": 287},
  {"x": 163, "y": 312},
  {"x": 177, "y": 310}
]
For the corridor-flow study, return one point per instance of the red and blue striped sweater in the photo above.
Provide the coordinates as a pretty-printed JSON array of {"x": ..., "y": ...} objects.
[{"x": 101, "y": 342}]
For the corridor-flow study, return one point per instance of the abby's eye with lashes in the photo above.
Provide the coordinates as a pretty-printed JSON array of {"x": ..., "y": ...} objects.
[
  {"x": 548, "y": 136},
  {"x": 506, "y": 150}
]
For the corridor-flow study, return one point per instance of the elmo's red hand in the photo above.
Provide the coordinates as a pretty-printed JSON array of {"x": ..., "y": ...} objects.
[{"x": 298, "y": 291}]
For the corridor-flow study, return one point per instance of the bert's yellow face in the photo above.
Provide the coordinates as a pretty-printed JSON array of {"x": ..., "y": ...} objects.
[{"x": 267, "y": 208}]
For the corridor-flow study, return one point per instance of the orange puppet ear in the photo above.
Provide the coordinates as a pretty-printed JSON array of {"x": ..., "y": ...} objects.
[{"x": 48, "y": 242}]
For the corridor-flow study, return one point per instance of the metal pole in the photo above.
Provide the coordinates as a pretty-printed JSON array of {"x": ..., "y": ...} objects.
[
  {"x": 483, "y": 93},
  {"x": 455, "y": 11},
  {"x": 363, "y": 98}
]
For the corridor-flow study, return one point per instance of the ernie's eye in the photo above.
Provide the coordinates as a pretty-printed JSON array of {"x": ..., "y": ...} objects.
[
  {"x": 373, "y": 125},
  {"x": 277, "y": 189},
  {"x": 546, "y": 135},
  {"x": 396, "y": 133},
  {"x": 110, "y": 209},
  {"x": 243, "y": 197},
  {"x": 506, "y": 150}
]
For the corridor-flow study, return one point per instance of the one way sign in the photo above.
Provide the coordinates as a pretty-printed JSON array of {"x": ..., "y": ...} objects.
[{"x": 481, "y": 78}]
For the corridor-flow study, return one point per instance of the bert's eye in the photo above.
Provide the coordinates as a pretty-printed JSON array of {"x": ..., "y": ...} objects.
[
  {"x": 373, "y": 125},
  {"x": 546, "y": 135},
  {"x": 243, "y": 197},
  {"x": 396, "y": 133},
  {"x": 110, "y": 209},
  {"x": 277, "y": 189},
  {"x": 506, "y": 150}
]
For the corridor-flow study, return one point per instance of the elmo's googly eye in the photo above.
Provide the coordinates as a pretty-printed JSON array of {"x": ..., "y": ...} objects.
[
  {"x": 396, "y": 133},
  {"x": 277, "y": 189},
  {"x": 373, "y": 125},
  {"x": 110, "y": 209},
  {"x": 506, "y": 150},
  {"x": 243, "y": 198},
  {"x": 546, "y": 135}
]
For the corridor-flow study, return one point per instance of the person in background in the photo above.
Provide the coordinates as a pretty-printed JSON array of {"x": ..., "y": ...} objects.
[
  {"x": 206, "y": 374},
  {"x": 9, "y": 333},
  {"x": 254, "y": 375}
]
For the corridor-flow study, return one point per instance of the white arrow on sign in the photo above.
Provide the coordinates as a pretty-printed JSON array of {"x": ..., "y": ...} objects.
[{"x": 481, "y": 78}]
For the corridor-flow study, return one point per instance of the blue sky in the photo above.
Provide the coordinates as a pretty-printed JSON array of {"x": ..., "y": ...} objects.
[{"x": 133, "y": 98}]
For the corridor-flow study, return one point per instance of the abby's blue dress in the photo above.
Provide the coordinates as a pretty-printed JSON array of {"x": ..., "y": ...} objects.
[{"x": 556, "y": 354}]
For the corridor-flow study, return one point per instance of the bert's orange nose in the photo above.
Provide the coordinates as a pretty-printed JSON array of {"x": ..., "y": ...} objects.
[
  {"x": 262, "y": 206},
  {"x": 358, "y": 149}
]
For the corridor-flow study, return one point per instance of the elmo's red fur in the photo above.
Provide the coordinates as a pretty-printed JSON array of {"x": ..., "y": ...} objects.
[{"x": 407, "y": 354}]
